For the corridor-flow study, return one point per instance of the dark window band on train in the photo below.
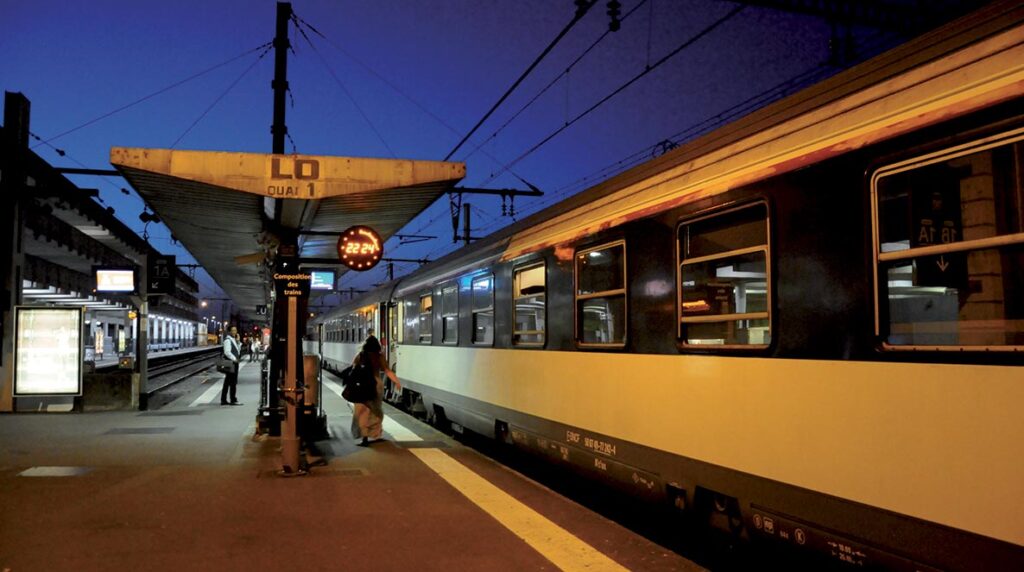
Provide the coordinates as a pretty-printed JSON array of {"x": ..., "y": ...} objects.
[
  {"x": 949, "y": 245},
  {"x": 723, "y": 280},
  {"x": 601, "y": 307}
]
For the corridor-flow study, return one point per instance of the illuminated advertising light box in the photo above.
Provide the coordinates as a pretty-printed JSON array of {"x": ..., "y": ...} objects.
[
  {"x": 322, "y": 280},
  {"x": 47, "y": 351},
  {"x": 120, "y": 280}
]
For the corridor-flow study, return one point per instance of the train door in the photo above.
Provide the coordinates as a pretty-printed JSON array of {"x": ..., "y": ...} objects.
[{"x": 383, "y": 331}]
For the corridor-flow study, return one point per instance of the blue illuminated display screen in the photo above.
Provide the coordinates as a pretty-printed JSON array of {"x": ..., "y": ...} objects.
[{"x": 322, "y": 280}]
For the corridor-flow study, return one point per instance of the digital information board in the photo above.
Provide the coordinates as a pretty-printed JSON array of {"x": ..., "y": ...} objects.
[
  {"x": 47, "y": 351},
  {"x": 322, "y": 280},
  {"x": 115, "y": 280}
]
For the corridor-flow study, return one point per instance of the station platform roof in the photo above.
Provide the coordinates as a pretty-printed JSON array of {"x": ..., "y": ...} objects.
[{"x": 231, "y": 209}]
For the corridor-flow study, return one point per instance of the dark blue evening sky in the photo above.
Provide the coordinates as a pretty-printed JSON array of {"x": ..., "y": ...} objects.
[{"x": 79, "y": 60}]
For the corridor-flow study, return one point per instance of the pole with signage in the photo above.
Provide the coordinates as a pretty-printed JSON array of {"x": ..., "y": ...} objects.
[
  {"x": 140, "y": 378},
  {"x": 291, "y": 286}
]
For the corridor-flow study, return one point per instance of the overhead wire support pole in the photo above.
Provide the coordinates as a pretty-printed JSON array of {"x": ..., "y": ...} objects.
[
  {"x": 280, "y": 84},
  {"x": 576, "y": 18}
]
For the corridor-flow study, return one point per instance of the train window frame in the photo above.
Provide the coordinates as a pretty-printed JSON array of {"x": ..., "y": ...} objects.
[
  {"x": 941, "y": 249},
  {"x": 428, "y": 313},
  {"x": 577, "y": 298},
  {"x": 517, "y": 295},
  {"x": 474, "y": 311},
  {"x": 399, "y": 322},
  {"x": 764, "y": 248},
  {"x": 453, "y": 291}
]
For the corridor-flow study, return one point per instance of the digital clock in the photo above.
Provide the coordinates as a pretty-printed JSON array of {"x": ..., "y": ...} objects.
[{"x": 360, "y": 248}]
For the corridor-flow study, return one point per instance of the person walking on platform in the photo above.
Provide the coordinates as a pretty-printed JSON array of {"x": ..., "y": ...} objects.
[
  {"x": 254, "y": 350},
  {"x": 233, "y": 352},
  {"x": 368, "y": 417}
]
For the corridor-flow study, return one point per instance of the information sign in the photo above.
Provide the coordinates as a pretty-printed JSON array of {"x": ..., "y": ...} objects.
[
  {"x": 936, "y": 218},
  {"x": 160, "y": 274},
  {"x": 119, "y": 280},
  {"x": 289, "y": 282},
  {"x": 47, "y": 351},
  {"x": 322, "y": 280}
]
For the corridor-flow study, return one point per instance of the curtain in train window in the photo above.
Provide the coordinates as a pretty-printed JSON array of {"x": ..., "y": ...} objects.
[
  {"x": 601, "y": 295},
  {"x": 723, "y": 279},
  {"x": 950, "y": 250},
  {"x": 483, "y": 310},
  {"x": 529, "y": 297},
  {"x": 449, "y": 314},
  {"x": 426, "y": 318}
]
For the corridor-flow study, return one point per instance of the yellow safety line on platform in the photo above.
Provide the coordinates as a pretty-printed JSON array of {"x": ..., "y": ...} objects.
[{"x": 553, "y": 542}]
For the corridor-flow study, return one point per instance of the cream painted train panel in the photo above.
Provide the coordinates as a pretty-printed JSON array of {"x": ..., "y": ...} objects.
[{"x": 938, "y": 442}]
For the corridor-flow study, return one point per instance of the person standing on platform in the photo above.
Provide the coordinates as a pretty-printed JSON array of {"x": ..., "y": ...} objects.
[
  {"x": 233, "y": 352},
  {"x": 368, "y": 417}
]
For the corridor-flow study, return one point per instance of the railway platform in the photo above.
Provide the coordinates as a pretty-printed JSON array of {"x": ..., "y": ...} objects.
[{"x": 190, "y": 487}]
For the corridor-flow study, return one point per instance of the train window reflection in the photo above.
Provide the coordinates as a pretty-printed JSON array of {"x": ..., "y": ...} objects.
[
  {"x": 723, "y": 279},
  {"x": 950, "y": 249},
  {"x": 601, "y": 295},
  {"x": 449, "y": 315},
  {"x": 483, "y": 310},
  {"x": 528, "y": 296}
]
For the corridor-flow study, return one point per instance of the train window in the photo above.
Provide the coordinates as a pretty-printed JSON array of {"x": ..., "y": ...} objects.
[
  {"x": 529, "y": 287},
  {"x": 426, "y": 318},
  {"x": 450, "y": 314},
  {"x": 601, "y": 295},
  {"x": 483, "y": 310},
  {"x": 723, "y": 279},
  {"x": 949, "y": 248},
  {"x": 411, "y": 320}
]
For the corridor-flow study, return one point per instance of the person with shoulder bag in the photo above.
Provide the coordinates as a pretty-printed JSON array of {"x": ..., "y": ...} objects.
[
  {"x": 368, "y": 416},
  {"x": 232, "y": 352}
]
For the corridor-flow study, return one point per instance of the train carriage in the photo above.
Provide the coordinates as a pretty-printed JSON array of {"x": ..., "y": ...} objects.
[{"x": 805, "y": 326}]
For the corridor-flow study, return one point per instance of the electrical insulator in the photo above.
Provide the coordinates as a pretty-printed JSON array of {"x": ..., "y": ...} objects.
[{"x": 614, "y": 10}]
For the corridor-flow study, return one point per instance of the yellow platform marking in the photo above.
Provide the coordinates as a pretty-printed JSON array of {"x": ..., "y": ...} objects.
[{"x": 553, "y": 542}]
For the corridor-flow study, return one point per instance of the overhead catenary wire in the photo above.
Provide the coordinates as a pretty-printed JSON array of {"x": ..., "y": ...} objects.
[
  {"x": 618, "y": 90},
  {"x": 341, "y": 85},
  {"x": 776, "y": 92},
  {"x": 565, "y": 74},
  {"x": 576, "y": 18},
  {"x": 220, "y": 97},
  {"x": 399, "y": 91},
  {"x": 154, "y": 94}
]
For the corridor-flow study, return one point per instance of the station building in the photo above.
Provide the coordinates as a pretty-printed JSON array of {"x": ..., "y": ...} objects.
[{"x": 54, "y": 234}]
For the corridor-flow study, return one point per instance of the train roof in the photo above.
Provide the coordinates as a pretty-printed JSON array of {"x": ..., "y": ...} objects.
[{"x": 968, "y": 64}]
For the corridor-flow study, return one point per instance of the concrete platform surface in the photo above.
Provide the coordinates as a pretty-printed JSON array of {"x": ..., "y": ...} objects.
[{"x": 189, "y": 487}]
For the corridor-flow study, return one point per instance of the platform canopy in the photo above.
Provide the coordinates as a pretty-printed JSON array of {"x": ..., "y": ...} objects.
[{"x": 230, "y": 209}]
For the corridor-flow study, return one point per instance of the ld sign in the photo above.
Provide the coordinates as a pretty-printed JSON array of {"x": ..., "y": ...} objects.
[{"x": 293, "y": 178}]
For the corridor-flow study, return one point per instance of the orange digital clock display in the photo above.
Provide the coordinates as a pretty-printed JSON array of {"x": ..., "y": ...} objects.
[{"x": 360, "y": 248}]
